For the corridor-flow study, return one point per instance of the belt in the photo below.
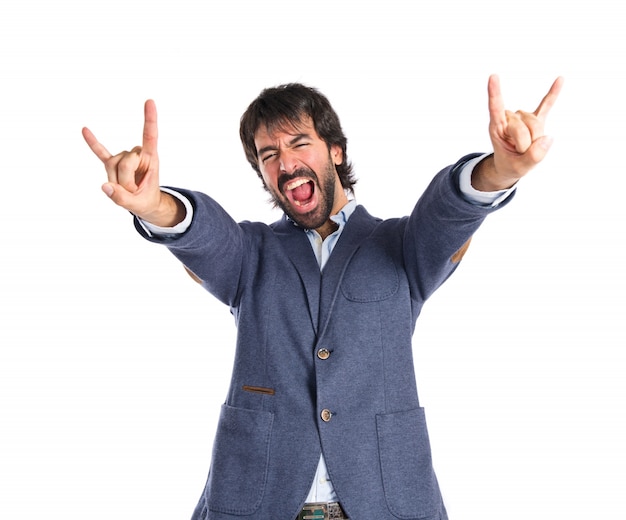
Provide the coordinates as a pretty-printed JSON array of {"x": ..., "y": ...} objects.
[{"x": 322, "y": 511}]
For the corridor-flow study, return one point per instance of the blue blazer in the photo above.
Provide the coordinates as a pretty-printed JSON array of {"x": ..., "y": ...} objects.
[{"x": 324, "y": 360}]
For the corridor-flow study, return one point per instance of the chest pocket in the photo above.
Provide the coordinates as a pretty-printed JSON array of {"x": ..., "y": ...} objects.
[{"x": 371, "y": 275}]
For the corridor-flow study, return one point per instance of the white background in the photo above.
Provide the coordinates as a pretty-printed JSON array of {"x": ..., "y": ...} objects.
[{"x": 113, "y": 363}]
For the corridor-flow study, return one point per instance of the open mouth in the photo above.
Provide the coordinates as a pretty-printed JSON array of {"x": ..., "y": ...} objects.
[{"x": 300, "y": 191}]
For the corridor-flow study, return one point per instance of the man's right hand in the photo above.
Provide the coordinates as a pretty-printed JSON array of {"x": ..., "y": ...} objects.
[{"x": 133, "y": 177}]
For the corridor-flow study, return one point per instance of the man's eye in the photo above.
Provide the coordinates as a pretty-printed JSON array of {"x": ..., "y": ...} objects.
[{"x": 267, "y": 157}]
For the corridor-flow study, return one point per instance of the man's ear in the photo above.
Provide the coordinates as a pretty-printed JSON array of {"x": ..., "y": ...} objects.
[{"x": 336, "y": 154}]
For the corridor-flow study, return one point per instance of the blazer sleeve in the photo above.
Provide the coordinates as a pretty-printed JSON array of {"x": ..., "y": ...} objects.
[
  {"x": 438, "y": 229},
  {"x": 212, "y": 247}
]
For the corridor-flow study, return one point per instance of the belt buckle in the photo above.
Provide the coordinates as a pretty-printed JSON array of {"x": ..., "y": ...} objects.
[{"x": 314, "y": 511}]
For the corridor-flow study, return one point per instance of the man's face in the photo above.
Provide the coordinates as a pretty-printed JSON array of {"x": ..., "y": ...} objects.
[{"x": 298, "y": 169}]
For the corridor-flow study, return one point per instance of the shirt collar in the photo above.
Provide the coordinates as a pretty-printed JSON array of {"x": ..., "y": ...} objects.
[
  {"x": 340, "y": 218},
  {"x": 344, "y": 214}
]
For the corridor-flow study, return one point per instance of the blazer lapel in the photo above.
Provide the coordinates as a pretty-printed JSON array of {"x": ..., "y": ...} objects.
[
  {"x": 359, "y": 226},
  {"x": 298, "y": 248}
]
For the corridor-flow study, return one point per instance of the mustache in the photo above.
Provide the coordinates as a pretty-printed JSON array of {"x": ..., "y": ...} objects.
[{"x": 300, "y": 172}]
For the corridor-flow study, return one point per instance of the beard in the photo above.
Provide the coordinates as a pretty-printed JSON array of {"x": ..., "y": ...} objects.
[{"x": 319, "y": 215}]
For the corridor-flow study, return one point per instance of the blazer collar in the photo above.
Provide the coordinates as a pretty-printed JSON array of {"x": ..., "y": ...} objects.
[
  {"x": 322, "y": 289},
  {"x": 359, "y": 226},
  {"x": 298, "y": 248}
]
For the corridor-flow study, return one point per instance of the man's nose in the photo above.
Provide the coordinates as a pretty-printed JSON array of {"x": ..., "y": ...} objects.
[{"x": 288, "y": 162}]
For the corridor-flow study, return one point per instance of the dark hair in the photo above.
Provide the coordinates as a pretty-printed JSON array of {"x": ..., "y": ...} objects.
[{"x": 286, "y": 106}]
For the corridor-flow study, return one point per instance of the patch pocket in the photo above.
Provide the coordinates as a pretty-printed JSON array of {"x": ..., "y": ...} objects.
[
  {"x": 240, "y": 459},
  {"x": 371, "y": 276},
  {"x": 409, "y": 481}
]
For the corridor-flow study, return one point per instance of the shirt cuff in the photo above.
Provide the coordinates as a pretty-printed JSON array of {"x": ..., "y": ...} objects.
[
  {"x": 178, "y": 229},
  {"x": 480, "y": 198}
]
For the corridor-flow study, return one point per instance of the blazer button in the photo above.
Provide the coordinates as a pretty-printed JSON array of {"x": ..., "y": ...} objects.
[
  {"x": 326, "y": 415},
  {"x": 323, "y": 353}
]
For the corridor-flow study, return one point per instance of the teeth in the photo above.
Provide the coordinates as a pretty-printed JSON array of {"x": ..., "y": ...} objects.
[{"x": 293, "y": 185}]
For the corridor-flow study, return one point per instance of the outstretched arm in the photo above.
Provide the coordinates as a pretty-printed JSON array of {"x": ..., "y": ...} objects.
[
  {"x": 133, "y": 177},
  {"x": 518, "y": 140}
]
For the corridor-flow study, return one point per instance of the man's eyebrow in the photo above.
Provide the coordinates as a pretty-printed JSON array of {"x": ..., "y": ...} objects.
[
  {"x": 299, "y": 137},
  {"x": 294, "y": 140},
  {"x": 266, "y": 149}
]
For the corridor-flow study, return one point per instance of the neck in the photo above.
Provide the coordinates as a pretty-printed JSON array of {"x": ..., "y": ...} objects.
[{"x": 328, "y": 228}]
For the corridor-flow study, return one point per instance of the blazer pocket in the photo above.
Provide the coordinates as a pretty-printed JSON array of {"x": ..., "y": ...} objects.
[
  {"x": 371, "y": 276},
  {"x": 240, "y": 459},
  {"x": 409, "y": 481}
]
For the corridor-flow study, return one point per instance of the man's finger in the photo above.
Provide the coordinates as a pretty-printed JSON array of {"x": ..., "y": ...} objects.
[
  {"x": 534, "y": 124},
  {"x": 101, "y": 152},
  {"x": 550, "y": 98},
  {"x": 150, "y": 129},
  {"x": 496, "y": 101},
  {"x": 518, "y": 133}
]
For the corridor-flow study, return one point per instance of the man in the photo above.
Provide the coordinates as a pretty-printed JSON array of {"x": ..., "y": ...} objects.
[{"x": 322, "y": 419}]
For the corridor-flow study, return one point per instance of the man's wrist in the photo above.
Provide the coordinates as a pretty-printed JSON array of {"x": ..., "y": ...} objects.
[
  {"x": 471, "y": 193},
  {"x": 179, "y": 227},
  {"x": 169, "y": 213},
  {"x": 485, "y": 178}
]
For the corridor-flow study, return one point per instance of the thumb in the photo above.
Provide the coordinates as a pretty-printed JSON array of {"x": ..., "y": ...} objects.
[
  {"x": 118, "y": 194},
  {"x": 539, "y": 149},
  {"x": 108, "y": 189}
]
